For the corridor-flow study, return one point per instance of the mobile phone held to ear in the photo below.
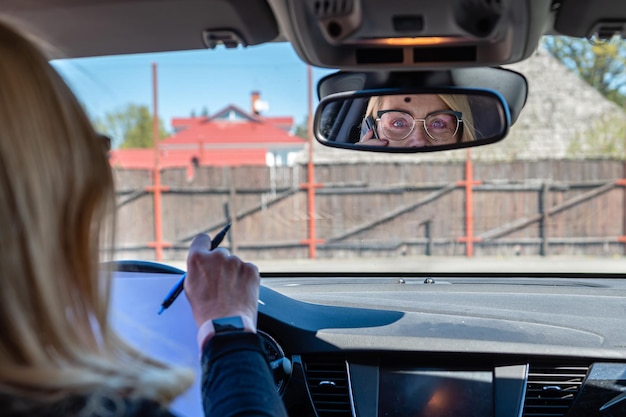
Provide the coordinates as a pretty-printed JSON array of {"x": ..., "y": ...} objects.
[{"x": 369, "y": 121}]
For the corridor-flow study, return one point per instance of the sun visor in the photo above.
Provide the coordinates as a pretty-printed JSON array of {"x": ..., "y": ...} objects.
[{"x": 78, "y": 28}]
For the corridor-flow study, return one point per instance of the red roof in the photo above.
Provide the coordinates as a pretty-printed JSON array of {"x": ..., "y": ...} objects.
[
  {"x": 186, "y": 122},
  {"x": 230, "y": 137},
  {"x": 233, "y": 133},
  {"x": 233, "y": 127},
  {"x": 284, "y": 123},
  {"x": 144, "y": 158}
]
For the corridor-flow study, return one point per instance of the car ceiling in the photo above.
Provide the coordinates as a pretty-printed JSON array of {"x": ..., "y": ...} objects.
[{"x": 329, "y": 33}]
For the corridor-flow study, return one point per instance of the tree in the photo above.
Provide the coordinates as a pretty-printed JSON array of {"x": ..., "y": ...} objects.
[
  {"x": 603, "y": 139},
  {"x": 130, "y": 127},
  {"x": 302, "y": 129},
  {"x": 602, "y": 64}
]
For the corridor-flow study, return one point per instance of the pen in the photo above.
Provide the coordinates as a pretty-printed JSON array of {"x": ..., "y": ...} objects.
[{"x": 178, "y": 288}]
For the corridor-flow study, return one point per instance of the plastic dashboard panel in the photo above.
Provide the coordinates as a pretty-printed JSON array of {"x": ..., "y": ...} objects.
[{"x": 542, "y": 340}]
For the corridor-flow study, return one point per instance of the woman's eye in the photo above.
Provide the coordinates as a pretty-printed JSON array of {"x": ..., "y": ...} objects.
[
  {"x": 439, "y": 124},
  {"x": 399, "y": 124}
]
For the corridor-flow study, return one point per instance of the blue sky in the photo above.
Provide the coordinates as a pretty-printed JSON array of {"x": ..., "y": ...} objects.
[{"x": 193, "y": 80}]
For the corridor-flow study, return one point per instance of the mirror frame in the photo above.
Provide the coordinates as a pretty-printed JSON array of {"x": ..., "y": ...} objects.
[
  {"x": 349, "y": 95},
  {"x": 512, "y": 85}
]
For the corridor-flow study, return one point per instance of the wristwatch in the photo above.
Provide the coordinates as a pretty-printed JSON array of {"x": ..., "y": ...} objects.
[
  {"x": 228, "y": 324},
  {"x": 223, "y": 325}
]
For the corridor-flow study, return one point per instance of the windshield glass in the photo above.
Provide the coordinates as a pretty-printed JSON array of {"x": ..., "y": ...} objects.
[{"x": 234, "y": 148}]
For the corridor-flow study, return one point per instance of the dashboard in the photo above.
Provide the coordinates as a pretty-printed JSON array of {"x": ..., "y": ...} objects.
[{"x": 377, "y": 345}]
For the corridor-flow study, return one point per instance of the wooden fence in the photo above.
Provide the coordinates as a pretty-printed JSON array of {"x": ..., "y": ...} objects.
[{"x": 526, "y": 207}]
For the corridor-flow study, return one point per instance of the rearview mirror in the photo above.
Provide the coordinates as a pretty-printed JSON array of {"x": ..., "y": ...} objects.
[{"x": 411, "y": 120}]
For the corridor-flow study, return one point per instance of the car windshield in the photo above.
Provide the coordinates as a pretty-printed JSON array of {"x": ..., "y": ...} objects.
[{"x": 234, "y": 148}]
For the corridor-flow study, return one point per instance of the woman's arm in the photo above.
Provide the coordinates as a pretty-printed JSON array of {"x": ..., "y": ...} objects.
[{"x": 236, "y": 378}]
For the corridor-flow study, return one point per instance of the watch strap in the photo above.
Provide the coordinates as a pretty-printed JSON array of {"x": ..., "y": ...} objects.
[{"x": 208, "y": 329}]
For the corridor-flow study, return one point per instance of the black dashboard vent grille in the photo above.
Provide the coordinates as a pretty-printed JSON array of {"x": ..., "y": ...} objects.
[
  {"x": 550, "y": 390},
  {"x": 328, "y": 385}
]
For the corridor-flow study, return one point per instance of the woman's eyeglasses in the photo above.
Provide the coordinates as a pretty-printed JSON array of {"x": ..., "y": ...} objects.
[{"x": 440, "y": 126}]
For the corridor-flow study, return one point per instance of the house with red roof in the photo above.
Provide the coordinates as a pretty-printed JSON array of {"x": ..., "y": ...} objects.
[{"x": 230, "y": 137}]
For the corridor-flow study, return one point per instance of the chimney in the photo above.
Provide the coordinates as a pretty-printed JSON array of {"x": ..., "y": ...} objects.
[{"x": 255, "y": 99}]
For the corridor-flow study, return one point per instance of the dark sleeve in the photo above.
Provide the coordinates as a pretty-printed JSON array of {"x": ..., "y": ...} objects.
[{"x": 236, "y": 378}]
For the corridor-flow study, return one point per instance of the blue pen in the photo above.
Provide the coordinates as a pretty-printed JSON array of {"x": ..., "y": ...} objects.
[{"x": 178, "y": 288}]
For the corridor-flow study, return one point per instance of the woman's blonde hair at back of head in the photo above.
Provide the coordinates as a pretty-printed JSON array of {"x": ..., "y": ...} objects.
[{"x": 56, "y": 201}]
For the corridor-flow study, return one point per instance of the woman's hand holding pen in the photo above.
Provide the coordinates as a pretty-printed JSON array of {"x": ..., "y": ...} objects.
[{"x": 219, "y": 284}]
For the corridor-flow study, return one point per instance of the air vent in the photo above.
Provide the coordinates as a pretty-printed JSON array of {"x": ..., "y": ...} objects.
[
  {"x": 551, "y": 390},
  {"x": 328, "y": 385},
  {"x": 325, "y": 9}
]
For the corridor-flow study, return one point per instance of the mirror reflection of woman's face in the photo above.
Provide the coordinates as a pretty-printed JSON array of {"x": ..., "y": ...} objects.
[{"x": 418, "y": 106}]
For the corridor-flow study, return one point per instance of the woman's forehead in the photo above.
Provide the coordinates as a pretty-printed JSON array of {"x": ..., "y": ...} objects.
[{"x": 412, "y": 101}]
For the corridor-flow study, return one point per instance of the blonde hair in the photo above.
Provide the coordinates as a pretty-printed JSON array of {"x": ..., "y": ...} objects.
[
  {"x": 56, "y": 204},
  {"x": 454, "y": 102}
]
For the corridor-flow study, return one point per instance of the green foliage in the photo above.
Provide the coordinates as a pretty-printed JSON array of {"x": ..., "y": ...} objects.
[
  {"x": 129, "y": 127},
  {"x": 302, "y": 129},
  {"x": 602, "y": 64},
  {"x": 605, "y": 138}
]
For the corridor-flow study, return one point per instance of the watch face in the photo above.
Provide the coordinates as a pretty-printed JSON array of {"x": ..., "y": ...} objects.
[{"x": 228, "y": 324}]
